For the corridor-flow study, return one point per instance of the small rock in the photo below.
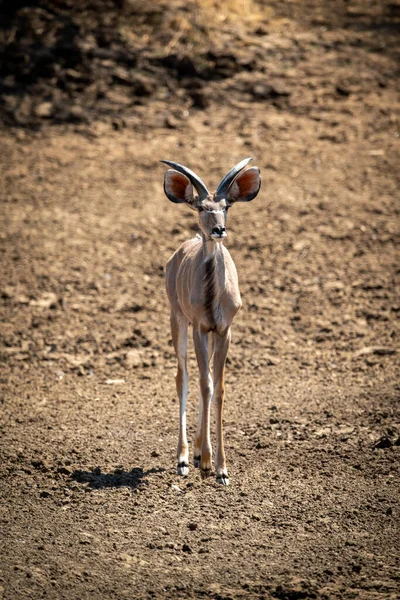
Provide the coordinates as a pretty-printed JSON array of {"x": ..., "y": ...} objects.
[
  {"x": 8, "y": 292},
  {"x": 192, "y": 526},
  {"x": 76, "y": 113},
  {"x": 260, "y": 445},
  {"x": 155, "y": 453},
  {"x": 122, "y": 76},
  {"x": 333, "y": 285},
  {"x": 44, "y": 110},
  {"x": 271, "y": 360},
  {"x": 265, "y": 91},
  {"x": 47, "y": 300},
  {"x": 171, "y": 545},
  {"x": 151, "y": 546},
  {"x": 322, "y": 432},
  {"x": 132, "y": 360},
  {"x": 118, "y": 124},
  {"x": 378, "y": 350},
  {"x": 171, "y": 122},
  {"x": 300, "y": 245},
  {"x": 187, "y": 548},
  {"x": 85, "y": 538},
  {"x": 142, "y": 86},
  {"x": 40, "y": 464},
  {"x": 346, "y": 430},
  {"x": 64, "y": 470},
  {"x": 76, "y": 361},
  {"x": 121, "y": 302},
  {"x": 371, "y": 362}
]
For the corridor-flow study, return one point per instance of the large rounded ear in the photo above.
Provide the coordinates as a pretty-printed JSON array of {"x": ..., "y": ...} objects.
[
  {"x": 177, "y": 187},
  {"x": 245, "y": 187}
]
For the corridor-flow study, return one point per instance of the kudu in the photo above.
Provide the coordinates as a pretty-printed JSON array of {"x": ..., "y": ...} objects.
[{"x": 203, "y": 290}]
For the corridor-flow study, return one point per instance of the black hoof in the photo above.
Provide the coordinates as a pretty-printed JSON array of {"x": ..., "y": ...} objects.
[
  {"x": 183, "y": 468},
  {"x": 223, "y": 479},
  {"x": 205, "y": 473}
]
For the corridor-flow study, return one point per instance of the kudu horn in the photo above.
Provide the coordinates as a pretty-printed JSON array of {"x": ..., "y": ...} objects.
[{"x": 230, "y": 178}]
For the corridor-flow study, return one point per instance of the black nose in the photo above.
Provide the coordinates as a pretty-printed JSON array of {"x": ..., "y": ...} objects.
[{"x": 218, "y": 230}]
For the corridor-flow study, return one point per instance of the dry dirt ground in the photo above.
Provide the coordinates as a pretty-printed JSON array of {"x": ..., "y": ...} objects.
[{"x": 91, "y": 506}]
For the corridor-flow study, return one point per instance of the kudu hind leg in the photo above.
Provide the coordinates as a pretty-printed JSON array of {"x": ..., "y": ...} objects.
[
  {"x": 221, "y": 350},
  {"x": 203, "y": 441},
  {"x": 179, "y": 329}
]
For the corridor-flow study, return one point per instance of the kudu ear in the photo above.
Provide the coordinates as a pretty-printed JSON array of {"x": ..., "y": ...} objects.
[
  {"x": 178, "y": 188},
  {"x": 245, "y": 187}
]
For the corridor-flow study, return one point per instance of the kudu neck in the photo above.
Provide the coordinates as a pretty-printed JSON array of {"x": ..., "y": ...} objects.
[{"x": 210, "y": 248}]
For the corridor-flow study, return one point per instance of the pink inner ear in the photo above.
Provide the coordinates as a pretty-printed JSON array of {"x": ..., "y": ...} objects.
[{"x": 176, "y": 185}]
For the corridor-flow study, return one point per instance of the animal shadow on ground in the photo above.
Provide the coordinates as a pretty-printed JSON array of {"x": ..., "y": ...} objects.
[{"x": 119, "y": 478}]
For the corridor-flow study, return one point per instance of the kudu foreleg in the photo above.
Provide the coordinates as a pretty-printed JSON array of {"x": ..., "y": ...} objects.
[
  {"x": 179, "y": 328},
  {"x": 199, "y": 433},
  {"x": 203, "y": 441},
  {"x": 220, "y": 351}
]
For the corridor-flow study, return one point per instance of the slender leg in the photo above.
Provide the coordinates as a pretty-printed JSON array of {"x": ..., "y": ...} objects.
[
  {"x": 199, "y": 435},
  {"x": 179, "y": 328},
  {"x": 221, "y": 350},
  {"x": 201, "y": 348}
]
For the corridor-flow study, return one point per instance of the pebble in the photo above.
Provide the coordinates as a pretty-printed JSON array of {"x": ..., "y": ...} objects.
[
  {"x": 132, "y": 359},
  {"x": 44, "y": 110},
  {"x": 47, "y": 300},
  {"x": 64, "y": 470}
]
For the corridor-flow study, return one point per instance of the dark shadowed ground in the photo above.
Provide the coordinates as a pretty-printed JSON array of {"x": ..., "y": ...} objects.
[{"x": 92, "y": 95}]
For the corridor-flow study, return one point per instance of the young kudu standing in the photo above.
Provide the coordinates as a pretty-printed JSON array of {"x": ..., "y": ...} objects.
[{"x": 203, "y": 290}]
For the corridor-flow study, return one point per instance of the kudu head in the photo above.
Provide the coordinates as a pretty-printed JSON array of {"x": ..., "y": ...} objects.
[{"x": 236, "y": 186}]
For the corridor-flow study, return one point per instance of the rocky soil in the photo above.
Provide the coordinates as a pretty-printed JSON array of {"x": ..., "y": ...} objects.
[{"x": 93, "y": 94}]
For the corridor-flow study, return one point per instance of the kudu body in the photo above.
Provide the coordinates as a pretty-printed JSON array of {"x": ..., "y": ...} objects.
[{"x": 203, "y": 290}]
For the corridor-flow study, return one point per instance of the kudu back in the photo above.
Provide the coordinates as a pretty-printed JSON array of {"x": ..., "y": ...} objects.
[{"x": 203, "y": 290}]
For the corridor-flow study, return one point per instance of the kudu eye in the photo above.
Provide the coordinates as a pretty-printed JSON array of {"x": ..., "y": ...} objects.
[{"x": 200, "y": 209}]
